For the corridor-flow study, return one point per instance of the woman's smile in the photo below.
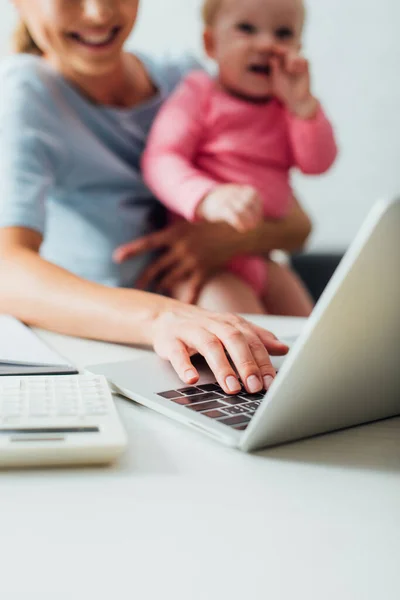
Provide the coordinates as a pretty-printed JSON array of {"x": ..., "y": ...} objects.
[{"x": 96, "y": 39}]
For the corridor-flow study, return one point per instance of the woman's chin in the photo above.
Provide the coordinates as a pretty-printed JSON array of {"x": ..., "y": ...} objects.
[{"x": 95, "y": 68}]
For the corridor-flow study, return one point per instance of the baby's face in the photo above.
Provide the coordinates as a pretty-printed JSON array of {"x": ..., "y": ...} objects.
[{"x": 242, "y": 38}]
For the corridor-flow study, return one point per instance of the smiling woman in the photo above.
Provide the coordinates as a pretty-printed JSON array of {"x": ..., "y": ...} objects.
[
  {"x": 71, "y": 34},
  {"x": 97, "y": 39},
  {"x": 75, "y": 112}
]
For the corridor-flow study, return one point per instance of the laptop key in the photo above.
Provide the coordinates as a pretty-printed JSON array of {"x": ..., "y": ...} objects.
[
  {"x": 189, "y": 391},
  {"x": 237, "y": 420},
  {"x": 200, "y": 397},
  {"x": 236, "y": 410},
  {"x": 209, "y": 387},
  {"x": 253, "y": 405},
  {"x": 185, "y": 400},
  {"x": 235, "y": 400},
  {"x": 214, "y": 414},
  {"x": 206, "y": 397},
  {"x": 258, "y": 396},
  {"x": 205, "y": 406},
  {"x": 170, "y": 394}
]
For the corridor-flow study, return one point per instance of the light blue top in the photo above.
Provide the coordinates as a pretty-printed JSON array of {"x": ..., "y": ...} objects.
[{"x": 69, "y": 169}]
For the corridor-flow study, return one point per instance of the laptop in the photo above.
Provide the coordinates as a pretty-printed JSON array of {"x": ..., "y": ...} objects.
[{"x": 343, "y": 369}]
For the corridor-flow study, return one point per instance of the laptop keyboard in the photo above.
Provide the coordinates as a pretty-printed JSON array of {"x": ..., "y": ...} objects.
[{"x": 211, "y": 401}]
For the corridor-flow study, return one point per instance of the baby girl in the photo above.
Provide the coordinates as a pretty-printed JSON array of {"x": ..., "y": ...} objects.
[{"x": 223, "y": 147}]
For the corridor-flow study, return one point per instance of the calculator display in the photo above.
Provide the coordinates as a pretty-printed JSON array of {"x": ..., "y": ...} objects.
[{"x": 45, "y": 430}]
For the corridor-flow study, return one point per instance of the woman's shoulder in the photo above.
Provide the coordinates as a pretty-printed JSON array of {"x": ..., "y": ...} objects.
[
  {"x": 25, "y": 70},
  {"x": 27, "y": 84},
  {"x": 168, "y": 70}
]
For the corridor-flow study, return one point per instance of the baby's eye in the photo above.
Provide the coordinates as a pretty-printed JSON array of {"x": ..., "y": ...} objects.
[
  {"x": 284, "y": 33},
  {"x": 246, "y": 27}
]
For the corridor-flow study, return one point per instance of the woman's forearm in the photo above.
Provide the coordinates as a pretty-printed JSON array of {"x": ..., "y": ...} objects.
[
  {"x": 45, "y": 295},
  {"x": 42, "y": 294}
]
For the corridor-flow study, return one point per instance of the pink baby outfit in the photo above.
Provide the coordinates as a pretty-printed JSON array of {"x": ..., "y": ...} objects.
[{"x": 203, "y": 137}]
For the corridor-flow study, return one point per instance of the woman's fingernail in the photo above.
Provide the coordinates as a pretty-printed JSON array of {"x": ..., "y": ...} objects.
[
  {"x": 254, "y": 384},
  {"x": 267, "y": 381},
  {"x": 232, "y": 384},
  {"x": 189, "y": 375}
]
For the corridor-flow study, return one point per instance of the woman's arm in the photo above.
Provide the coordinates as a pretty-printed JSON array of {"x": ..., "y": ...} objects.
[
  {"x": 45, "y": 295},
  {"x": 289, "y": 234},
  {"x": 194, "y": 252}
]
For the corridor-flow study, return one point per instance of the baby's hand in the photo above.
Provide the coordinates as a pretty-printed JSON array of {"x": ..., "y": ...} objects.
[
  {"x": 238, "y": 205},
  {"x": 291, "y": 82}
]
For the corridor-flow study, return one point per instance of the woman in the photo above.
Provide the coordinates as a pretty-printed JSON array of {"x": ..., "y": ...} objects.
[{"x": 75, "y": 110}]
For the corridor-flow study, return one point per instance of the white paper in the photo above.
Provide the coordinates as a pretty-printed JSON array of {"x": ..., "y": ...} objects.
[{"x": 20, "y": 346}]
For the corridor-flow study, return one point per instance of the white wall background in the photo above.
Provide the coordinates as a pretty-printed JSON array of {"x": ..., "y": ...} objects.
[{"x": 354, "y": 47}]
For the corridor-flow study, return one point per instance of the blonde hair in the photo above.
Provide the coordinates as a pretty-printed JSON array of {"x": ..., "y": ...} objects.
[
  {"x": 23, "y": 42},
  {"x": 210, "y": 10}
]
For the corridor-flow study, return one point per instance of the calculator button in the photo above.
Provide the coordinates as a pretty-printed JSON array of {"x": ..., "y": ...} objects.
[{"x": 11, "y": 408}]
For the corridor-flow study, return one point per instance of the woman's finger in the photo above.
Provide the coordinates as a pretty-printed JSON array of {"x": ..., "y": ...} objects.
[
  {"x": 260, "y": 354},
  {"x": 156, "y": 268},
  {"x": 211, "y": 347},
  {"x": 235, "y": 218},
  {"x": 193, "y": 287},
  {"x": 251, "y": 216},
  {"x": 176, "y": 275},
  {"x": 153, "y": 241},
  {"x": 273, "y": 345},
  {"x": 150, "y": 242},
  {"x": 237, "y": 344},
  {"x": 177, "y": 353}
]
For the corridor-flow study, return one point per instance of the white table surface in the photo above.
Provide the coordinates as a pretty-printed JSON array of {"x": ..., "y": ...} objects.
[{"x": 182, "y": 517}]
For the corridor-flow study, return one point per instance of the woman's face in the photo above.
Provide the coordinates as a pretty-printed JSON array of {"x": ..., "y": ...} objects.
[{"x": 85, "y": 36}]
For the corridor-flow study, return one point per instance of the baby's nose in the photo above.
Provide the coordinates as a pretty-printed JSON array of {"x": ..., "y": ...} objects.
[{"x": 265, "y": 42}]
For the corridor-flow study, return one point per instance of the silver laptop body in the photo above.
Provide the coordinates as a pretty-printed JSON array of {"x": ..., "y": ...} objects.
[{"x": 343, "y": 370}]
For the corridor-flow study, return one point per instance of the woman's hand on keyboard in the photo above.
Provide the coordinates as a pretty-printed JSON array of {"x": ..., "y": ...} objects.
[{"x": 187, "y": 330}]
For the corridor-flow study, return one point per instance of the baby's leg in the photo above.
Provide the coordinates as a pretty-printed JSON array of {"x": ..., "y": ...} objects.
[
  {"x": 225, "y": 292},
  {"x": 285, "y": 293}
]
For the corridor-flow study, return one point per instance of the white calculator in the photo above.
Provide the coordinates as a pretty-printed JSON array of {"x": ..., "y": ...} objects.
[{"x": 58, "y": 419}]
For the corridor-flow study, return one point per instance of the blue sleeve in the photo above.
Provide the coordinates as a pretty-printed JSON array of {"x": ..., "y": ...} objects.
[{"x": 31, "y": 152}]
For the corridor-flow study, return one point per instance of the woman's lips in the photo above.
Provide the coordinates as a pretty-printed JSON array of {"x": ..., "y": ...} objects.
[{"x": 96, "y": 40}]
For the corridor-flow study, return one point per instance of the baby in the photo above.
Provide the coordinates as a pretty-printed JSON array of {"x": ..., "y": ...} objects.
[{"x": 222, "y": 147}]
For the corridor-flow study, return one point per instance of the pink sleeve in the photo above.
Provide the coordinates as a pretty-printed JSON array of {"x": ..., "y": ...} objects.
[
  {"x": 168, "y": 161},
  {"x": 313, "y": 143}
]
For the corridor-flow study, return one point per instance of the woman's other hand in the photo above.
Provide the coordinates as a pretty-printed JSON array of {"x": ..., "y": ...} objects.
[
  {"x": 179, "y": 333},
  {"x": 193, "y": 252}
]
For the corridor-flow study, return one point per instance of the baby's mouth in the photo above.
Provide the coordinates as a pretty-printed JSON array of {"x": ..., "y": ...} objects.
[
  {"x": 264, "y": 70},
  {"x": 96, "y": 40}
]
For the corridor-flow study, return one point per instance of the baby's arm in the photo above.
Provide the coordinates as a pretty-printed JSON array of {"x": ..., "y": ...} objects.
[
  {"x": 169, "y": 169},
  {"x": 167, "y": 162},
  {"x": 313, "y": 142},
  {"x": 311, "y": 135}
]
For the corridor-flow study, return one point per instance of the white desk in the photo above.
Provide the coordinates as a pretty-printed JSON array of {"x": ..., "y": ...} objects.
[{"x": 181, "y": 517}]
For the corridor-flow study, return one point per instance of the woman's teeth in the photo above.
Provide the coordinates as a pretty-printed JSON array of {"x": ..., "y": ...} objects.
[{"x": 96, "y": 39}]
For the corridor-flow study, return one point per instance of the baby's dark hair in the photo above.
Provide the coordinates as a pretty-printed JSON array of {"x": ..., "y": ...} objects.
[{"x": 23, "y": 42}]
